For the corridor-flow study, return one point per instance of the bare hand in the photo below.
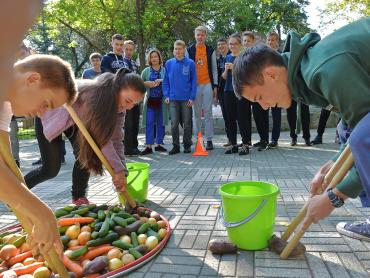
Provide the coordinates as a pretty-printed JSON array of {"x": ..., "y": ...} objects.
[
  {"x": 228, "y": 66},
  {"x": 153, "y": 84},
  {"x": 119, "y": 181},
  {"x": 190, "y": 103},
  {"x": 158, "y": 81},
  {"x": 45, "y": 233},
  {"x": 318, "y": 183},
  {"x": 167, "y": 100},
  {"x": 319, "y": 207}
]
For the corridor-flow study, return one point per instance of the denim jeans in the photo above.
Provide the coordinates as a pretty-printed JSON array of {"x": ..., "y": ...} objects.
[
  {"x": 154, "y": 119},
  {"x": 179, "y": 108}
]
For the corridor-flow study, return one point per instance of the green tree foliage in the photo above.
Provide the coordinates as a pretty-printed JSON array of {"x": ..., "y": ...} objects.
[{"x": 73, "y": 29}]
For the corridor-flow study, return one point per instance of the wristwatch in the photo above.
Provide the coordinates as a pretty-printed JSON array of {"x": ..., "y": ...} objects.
[{"x": 336, "y": 201}]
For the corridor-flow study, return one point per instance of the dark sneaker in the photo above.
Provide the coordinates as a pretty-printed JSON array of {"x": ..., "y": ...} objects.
[
  {"x": 159, "y": 148},
  {"x": 228, "y": 144},
  {"x": 233, "y": 149},
  {"x": 244, "y": 150},
  {"x": 317, "y": 140},
  {"x": 239, "y": 145},
  {"x": 293, "y": 142},
  {"x": 37, "y": 162},
  {"x": 80, "y": 201},
  {"x": 358, "y": 230},
  {"x": 147, "y": 150},
  {"x": 263, "y": 146},
  {"x": 257, "y": 144},
  {"x": 209, "y": 146},
  {"x": 134, "y": 152},
  {"x": 187, "y": 149},
  {"x": 174, "y": 150},
  {"x": 273, "y": 144},
  {"x": 307, "y": 142}
]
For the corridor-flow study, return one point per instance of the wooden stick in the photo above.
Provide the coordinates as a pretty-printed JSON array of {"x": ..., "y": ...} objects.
[
  {"x": 97, "y": 151},
  {"x": 51, "y": 257},
  {"x": 342, "y": 169},
  {"x": 328, "y": 177}
]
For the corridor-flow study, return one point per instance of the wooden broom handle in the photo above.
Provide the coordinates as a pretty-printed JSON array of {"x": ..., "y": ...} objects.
[
  {"x": 343, "y": 164},
  {"x": 97, "y": 151},
  {"x": 330, "y": 176}
]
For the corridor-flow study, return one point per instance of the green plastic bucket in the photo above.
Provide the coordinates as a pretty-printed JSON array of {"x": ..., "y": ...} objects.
[
  {"x": 248, "y": 212},
  {"x": 137, "y": 181}
]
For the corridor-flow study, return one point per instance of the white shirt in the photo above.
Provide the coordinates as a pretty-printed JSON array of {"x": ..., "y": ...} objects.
[{"x": 5, "y": 115}]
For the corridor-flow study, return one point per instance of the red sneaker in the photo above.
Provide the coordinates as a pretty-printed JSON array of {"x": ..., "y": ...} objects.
[{"x": 80, "y": 201}]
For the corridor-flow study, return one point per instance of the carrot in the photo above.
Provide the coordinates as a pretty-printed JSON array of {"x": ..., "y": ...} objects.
[
  {"x": 70, "y": 221},
  {"x": 19, "y": 258},
  {"x": 28, "y": 269},
  {"x": 72, "y": 266},
  {"x": 94, "y": 275},
  {"x": 93, "y": 253}
]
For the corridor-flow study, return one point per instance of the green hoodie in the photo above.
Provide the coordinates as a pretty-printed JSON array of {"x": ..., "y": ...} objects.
[{"x": 333, "y": 73}]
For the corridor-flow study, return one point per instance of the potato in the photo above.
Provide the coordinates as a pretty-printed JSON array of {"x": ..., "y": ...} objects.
[
  {"x": 8, "y": 251},
  {"x": 27, "y": 276},
  {"x": 114, "y": 253},
  {"x": 96, "y": 265},
  {"x": 161, "y": 224},
  {"x": 114, "y": 264},
  {"x": 162, "y": 233},
  {"x": 151, "y": 242},
  {"x": 42, "y": 272},
  {"x": 86, "y": 228},
  {"x": 73, "y": 231},
  {"x": 152, "y": 220},
  {"x": 142, "y": 238},
  {"x": 17, "y": 265},
  {"x": 29, "y": 261},
  {"x": 83, "y": 238},
  {"x": 155, "y": 215},
  {"x": 127, "y": 258},
  {"x": 217, "y": 246},
  {"x": 126, "y": 239},
  {"x": 73, "y": 242},
  {"x": 9, "y": 274}
]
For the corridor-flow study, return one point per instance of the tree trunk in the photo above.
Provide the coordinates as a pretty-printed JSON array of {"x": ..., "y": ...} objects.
[{"x": 140, "y": 9}]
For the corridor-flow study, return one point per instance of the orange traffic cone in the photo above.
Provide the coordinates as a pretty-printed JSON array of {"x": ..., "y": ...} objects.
[{"x": 199, "y": 149}]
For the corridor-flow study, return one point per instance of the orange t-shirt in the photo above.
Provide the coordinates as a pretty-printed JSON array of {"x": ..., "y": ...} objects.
[{"x": 201, "y": 65}]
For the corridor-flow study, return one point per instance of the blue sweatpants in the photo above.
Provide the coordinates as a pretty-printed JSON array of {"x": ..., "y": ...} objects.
[
  {"x": 154, "y": 117},
  {"x": 359, "y": 142}
]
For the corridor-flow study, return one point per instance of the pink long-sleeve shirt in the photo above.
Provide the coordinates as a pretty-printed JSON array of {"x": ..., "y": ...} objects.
[{"x": 58, "y": 120}]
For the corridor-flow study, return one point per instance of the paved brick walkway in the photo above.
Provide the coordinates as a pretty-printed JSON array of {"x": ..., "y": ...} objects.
[{"x": 185, "y": 189}]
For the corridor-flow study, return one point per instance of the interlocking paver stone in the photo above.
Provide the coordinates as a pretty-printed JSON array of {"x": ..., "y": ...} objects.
[{"x": 186, "y": 190}]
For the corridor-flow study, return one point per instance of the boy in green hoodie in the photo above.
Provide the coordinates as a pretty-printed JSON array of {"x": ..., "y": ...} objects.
[{"x": 333, "y": 73}]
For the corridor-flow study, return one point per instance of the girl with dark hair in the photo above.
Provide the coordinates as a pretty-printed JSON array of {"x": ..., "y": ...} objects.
[
  {"x": 101, "y": 105},
  {"x": 155, "y": 114}
]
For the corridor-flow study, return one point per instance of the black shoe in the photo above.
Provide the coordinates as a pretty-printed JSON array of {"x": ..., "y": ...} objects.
[
  {"x": 134, "y": 152},
  {"x": 244, "y": 150},
  {"x": 228, "y": 144},
  {"x": 308, "y": 142},
  {"x": 63, "y": 160},
  {"x": 148, "y": 150},
  {"x": 38, "y": 162},
  {"x": 239, "y": 145},
  {"x": 317, "y": 140},
  {"x": 174, "y": 150},
  {"x": 233, "y": 149},
  {"x": 263, "y": 146},
  {"x": 257, "y": 144},
  {"x": 293, "y": 142},
  {"x": 187, "y": 149},
  {"x": 159, "y": 148},
  {"x": 209, "y": 146},
  {"x": 273, "y": 144}
]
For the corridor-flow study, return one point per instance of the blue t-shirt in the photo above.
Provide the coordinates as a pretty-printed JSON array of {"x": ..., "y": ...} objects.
[
  {"x": 90, "y": 73},
  {"x": 155, "y": 92},
  {"x": 229, "y": 81}
]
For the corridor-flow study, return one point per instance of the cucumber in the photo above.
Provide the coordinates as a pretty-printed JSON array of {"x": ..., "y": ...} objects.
[
  {"x": 143, "y": 228},
  {"x": 101, "y": 215},
  {"x": 19, "y": 241},
  {"x": 99, "y": 241},
  {"x": 78, "y": 253},
  {"x": 154, "y": 227},
  {"x": 62, "y": 230},
  {"x": 94, "y": 234},
  {"x": 69, "y": 208},
  {"x": 101, "y": 207},
  {"x": 98, "y": 226},
  {"x": 60, "y": 212},
  {"x": 131, "y": 220},
  {"x": 120, "y": 221},
  {"x": 122, "y": 245},
  {"x": 91, "y": 214},
  {"x": 81, "y": 211},
  {"x": 116, "y": 209},
  {"x": 135, "y": 253},
  {"x": 123, "y": 214},
  {"x": 104, "y": 228},
  {"x": 65, "y": 239},
  {"x": 150, "y": 232},
  {"x": 134, "y": 240},
  {"x": 111, "y": 223}
]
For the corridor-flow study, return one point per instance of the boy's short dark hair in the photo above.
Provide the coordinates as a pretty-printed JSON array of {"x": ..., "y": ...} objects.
[
  {"x": 222, "y": 40},
  {"x": 95, "y": 55},
  {"x": 247, "y": 69},
  {"x": 55, "y": 72},
  {"x": 248, "y": 34},
  {"x": 117, "y": 37}
]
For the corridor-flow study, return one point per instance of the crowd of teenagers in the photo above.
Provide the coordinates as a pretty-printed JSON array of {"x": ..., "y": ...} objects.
[{"x": 243, "y": 77}]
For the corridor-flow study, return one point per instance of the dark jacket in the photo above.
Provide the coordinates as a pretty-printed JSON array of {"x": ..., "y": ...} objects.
[{"x": 212, "y": 63}]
